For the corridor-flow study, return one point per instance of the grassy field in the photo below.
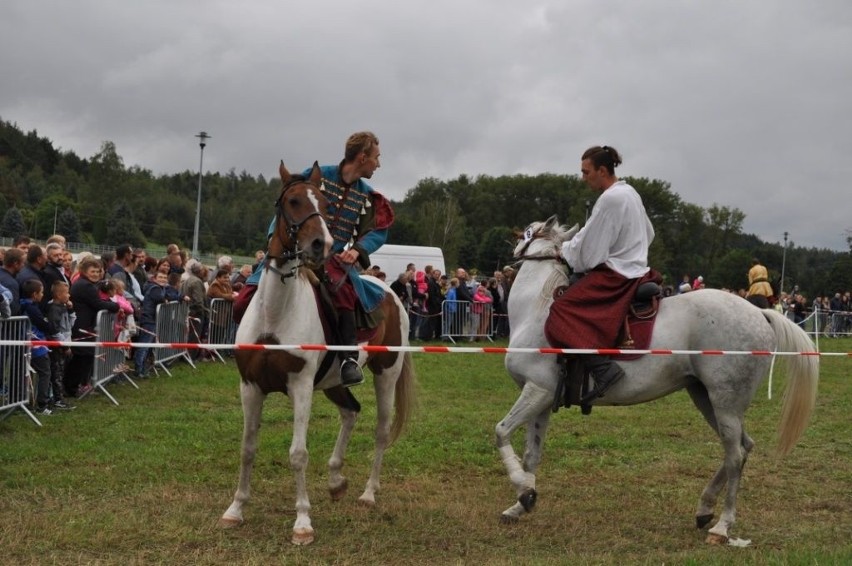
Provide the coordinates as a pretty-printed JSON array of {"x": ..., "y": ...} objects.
[{"x": 145, "y": 482}]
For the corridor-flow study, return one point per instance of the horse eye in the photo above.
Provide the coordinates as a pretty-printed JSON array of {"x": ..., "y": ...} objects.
[{"x": 294, "y": 202}]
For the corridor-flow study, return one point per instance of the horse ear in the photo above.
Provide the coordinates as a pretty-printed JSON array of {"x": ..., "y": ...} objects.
[
  {"x": 316, "y": 175},
  {"x": 572, "y": 231},
  {"x": 285, "y": 175},
  {"x": 551, "y": 222}
]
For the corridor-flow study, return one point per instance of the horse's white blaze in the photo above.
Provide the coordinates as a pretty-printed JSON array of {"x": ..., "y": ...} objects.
[{"x": 325, "y": 231}]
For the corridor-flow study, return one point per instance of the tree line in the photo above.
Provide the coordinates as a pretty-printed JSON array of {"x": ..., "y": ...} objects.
[{"x": 473, "y": 219}]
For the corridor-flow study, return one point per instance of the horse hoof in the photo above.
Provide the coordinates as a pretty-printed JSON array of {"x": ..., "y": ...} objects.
[
  {"x": 702, "y": 521},
  {"x": 527, "y": 499},
  {"x": 339, "y": 492},
  {"x": 716, "y": 539},
  {"x": 367, "y": 502},
  {"x": 226, "y": 522},
  {"x": 302, "y": 537},
  {"x": 508, "y": 519}
]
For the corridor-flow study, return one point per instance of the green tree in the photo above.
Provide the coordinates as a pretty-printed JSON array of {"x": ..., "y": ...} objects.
[
  {"x": 121, "y": 227},
  {"x": 438, "y": 223},
  {"x": 723, "y": 224},
  {"x": 46, "y": 214},
  {"x": 730, "y": 271},
  {"x": 68, "y": 225},
  {"x": 13, "y": 223},
  {"x": 495, "y": 249},
  {"x": 11, "y": 183},
  {"x": 167, "y": 232},
  {"x": 841, "y": 275},
  {"x": 36, "y": 187},
  {"x": 402, "y": 232},
  {"x": 66, "y": 180},
  {"x": 106, "y": 183},
  {"x": 686, "y": 242}
]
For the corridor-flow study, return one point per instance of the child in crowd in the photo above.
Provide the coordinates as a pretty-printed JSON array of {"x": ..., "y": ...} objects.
[
  {"x": 155, "y": 294},
  {"x": 125, "y": 322},
  {"x": 451, "y": 320},
  {"x": 60, "y": 313},
  {"x": 32, "y": 292},
  {"x": 106, "y": 292},
  {"x": 481, "y": 314},
  {"x": 173, "y": 287}
]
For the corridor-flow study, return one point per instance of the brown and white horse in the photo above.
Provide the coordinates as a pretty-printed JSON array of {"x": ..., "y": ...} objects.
[{"x": 284, "y": 311}]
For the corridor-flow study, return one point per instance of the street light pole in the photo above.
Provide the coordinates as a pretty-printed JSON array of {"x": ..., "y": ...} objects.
[
  {"x": 202, "y": 141},
  {"x": 784, "y": 262}
]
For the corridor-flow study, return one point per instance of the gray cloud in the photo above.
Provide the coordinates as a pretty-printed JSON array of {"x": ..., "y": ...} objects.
[{"x": 732, "y": 103}]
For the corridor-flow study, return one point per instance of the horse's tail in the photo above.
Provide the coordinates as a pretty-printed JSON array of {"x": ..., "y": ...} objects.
[
  {"x": 802, "y": 379},
  {"x": 404, "y": 398}
]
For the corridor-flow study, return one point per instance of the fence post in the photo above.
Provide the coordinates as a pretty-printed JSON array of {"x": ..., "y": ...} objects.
[{"x": 15, "y": 381}]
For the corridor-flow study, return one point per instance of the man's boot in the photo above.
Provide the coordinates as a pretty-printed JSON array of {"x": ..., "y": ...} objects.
[
  {"x": 605, "y": 372},
  {"x": 350, "y": 371}
]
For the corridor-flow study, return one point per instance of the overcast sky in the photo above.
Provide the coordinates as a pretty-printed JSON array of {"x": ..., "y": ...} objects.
[{"x": 743, "y": 104}]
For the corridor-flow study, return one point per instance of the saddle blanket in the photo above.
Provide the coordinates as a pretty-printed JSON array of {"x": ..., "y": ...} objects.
[{"x": 641, "y": 330}]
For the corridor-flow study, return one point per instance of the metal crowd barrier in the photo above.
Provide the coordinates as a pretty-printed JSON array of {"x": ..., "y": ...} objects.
[
  {"x": 466, "y": 320},
  {"x": 172, "y": 327},
  {"x": 840, "y": 324},
  {"x": 109, "y": 362},
  {"x": 16, "y": 386},
  {"x": 222, "y": 328}
]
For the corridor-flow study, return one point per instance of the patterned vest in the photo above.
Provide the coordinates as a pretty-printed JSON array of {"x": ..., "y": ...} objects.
[{"x": 345, "y": 207}]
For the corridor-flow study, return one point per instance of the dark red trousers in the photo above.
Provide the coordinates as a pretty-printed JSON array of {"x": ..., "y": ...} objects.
[{"x": 591, "y": 312}]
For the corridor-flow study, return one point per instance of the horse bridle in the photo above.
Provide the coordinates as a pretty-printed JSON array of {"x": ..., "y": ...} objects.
[
  {"x": 529, "y": 240},
  {"x": 293, "y": 227}
]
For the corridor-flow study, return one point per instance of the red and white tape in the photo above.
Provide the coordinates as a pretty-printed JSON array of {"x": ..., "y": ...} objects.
[{"x": 417, "y": 349}]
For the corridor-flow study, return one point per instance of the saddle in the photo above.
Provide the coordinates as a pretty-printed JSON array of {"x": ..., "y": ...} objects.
[
  {"x": 639, "y": 322},
  {"x": 574, "y": 382}
]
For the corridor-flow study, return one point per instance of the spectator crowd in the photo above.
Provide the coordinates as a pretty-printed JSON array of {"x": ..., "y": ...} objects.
[
  {"x": 61, "y": 294},
  {"x": 441, "y": 306}
]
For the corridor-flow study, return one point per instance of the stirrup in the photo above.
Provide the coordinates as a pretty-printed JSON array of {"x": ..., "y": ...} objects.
[
  {"x": 350, "y": 373},
  {"x": 601, "y": 388}
]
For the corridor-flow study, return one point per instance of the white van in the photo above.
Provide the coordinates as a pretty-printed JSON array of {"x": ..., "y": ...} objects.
[{"x": 392, "y": 259}]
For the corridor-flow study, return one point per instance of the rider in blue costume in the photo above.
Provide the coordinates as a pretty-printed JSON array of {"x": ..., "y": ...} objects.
[{"x": 356, "y": 215}]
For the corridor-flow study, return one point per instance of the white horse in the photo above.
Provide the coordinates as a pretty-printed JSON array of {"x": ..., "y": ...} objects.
[
  {"x": 721, "y": 387},
  {"x": 284, "y": 311}
]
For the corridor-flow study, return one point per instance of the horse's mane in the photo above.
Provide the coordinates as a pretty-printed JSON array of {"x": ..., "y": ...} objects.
[{"x": 562, "y": 233}]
